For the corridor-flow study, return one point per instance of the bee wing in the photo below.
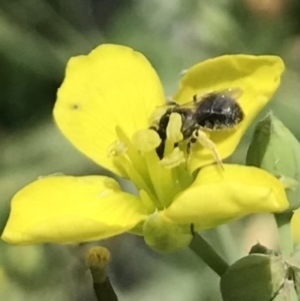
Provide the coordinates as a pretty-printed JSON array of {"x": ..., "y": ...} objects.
[
  {"x": 171, "y": 103},
  {"x": 233, "y": 93},
  {"x": 187, "y": 105}
]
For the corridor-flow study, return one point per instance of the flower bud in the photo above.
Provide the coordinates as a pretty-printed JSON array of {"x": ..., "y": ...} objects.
[
  {"x": 259, "y": 277},
  {"x": 275, "y": 149},
  {"x": 163, "y": 236}
]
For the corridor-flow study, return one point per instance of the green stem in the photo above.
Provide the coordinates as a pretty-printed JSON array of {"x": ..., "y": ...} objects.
[
  {"x": 104, "y": 291},
  {"x": 205, "y": 251},
  {"x": 284, "y": 231}
]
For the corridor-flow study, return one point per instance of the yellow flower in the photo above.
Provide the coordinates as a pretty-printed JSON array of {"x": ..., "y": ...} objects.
[{"x": 103, "y": 108}]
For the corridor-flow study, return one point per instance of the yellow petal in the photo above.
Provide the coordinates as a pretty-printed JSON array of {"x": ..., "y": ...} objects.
[
  {"x": 219, "y": 196},
  {"x": 257, "y": 76},
  {"x": 295, "y": 223},
  {"x": 69, "y": 209},
  {"x": 111, "y": 86}
]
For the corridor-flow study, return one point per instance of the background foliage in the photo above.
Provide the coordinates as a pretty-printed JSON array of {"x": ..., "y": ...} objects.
[{"x": 37, "y": 38}]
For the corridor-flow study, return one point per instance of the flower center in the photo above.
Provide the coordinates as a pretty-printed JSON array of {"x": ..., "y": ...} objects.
[{"x": 157, "y": 180}]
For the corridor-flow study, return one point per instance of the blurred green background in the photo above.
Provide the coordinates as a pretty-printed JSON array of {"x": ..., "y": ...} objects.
[{"x": 37, "y": 37}]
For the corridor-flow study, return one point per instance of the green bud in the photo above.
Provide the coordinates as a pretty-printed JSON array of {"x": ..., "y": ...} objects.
[
  {"x": 275, "y": 149},
  {"x": 163, "y": 236},
  {"x": 261, "y": 249},
  {"x": 254, "y": 277}
]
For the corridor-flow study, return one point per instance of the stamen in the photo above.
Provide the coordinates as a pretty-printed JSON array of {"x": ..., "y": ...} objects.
[
  {"x": 147, "y": 201},
  {"x": 174, "y": 159},
  {"x": 174, "y": 128},
  {"x": 132, "y": 153},
  {"x": 180, "y": 178},
  {"x": 117, "y": 148},
  {"x": 132, "y": 162},
  {"x": 134, "y": 175},
  {"x": 174, "y": 134},
  {"x": 157, "y": 180},
  {"x": 158, "y": 176},
  {"x": 146, "y": 140}
]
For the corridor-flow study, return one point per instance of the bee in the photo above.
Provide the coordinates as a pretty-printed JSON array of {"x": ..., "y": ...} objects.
[{"x": 215, "y": 111}]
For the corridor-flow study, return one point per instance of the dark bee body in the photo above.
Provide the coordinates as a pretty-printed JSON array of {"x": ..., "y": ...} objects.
[
  {"x": 218, "y": 112},
  {"x": 213, "y": 112}
]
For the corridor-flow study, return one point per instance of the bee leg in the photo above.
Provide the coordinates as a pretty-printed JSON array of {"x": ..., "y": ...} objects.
[
  {"x": 189, "y": 144},
  {"x": 161, "y": 148},
  {"x": 195, "y": 98},
  {"x": 154, "y": 128},
  {"x": 202, "y": 138}
]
